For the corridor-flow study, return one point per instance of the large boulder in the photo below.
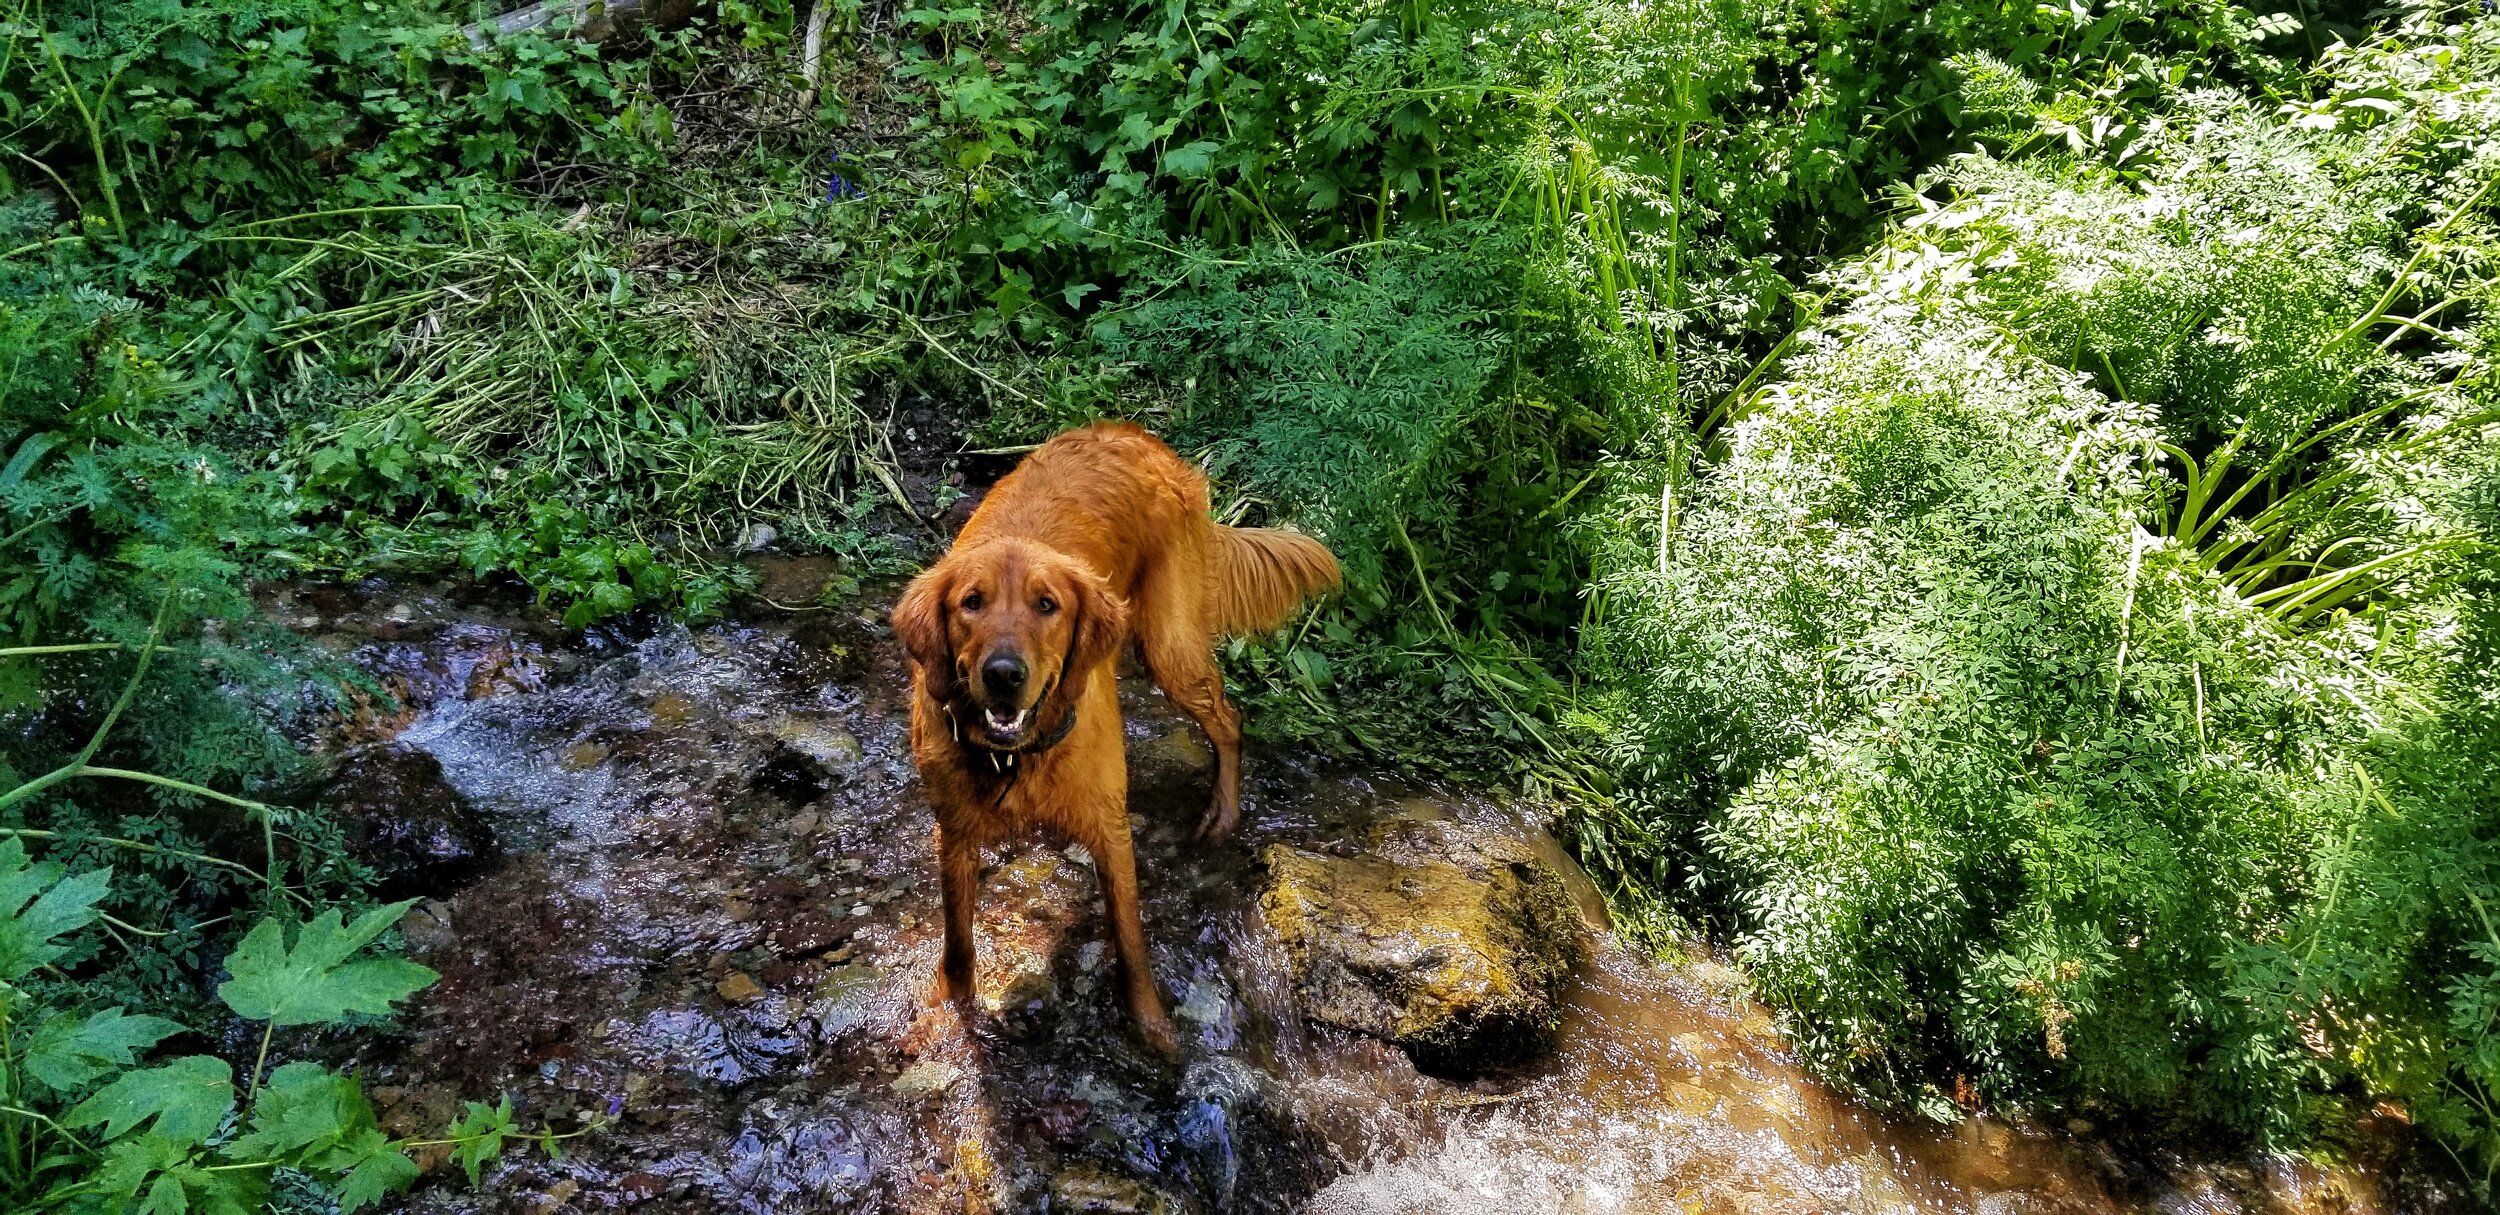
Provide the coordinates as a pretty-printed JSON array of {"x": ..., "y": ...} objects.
[
  {"x": 1459, "y": 951},
  {"x": 398, "y": 815}
]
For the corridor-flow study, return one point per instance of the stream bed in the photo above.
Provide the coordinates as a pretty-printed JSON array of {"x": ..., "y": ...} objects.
[{"x": 680, "y": 879}]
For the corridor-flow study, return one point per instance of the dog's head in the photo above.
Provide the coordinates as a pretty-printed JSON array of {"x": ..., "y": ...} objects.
[{"x": 1008, "y": 630}]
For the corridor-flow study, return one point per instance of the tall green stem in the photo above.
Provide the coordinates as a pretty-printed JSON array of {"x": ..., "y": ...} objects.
[
  {"x": 95, "y": 132},
  {"x": 252, "y": 1093}
]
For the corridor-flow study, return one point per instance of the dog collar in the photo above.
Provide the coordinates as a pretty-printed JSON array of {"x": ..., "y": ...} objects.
[{"x": 1005, "y": 761}]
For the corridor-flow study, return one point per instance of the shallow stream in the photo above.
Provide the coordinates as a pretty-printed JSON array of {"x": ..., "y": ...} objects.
[{"x": 711, "y": 910}]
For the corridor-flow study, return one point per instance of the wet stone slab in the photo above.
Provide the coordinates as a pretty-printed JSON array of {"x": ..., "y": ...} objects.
[{"x": 711, "y": 909}]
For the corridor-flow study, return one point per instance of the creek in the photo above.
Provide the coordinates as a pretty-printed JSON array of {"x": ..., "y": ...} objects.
[{"x": 709, "y": 916}]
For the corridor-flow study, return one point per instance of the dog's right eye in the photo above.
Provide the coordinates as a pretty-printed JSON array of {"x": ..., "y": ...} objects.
[{"x": 972, "y": 602}]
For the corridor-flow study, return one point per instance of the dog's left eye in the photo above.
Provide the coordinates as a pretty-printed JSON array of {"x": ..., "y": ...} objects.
[{"x": 1046, "y": 605}]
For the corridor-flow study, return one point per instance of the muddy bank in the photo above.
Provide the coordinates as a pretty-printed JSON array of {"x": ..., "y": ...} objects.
[{"x": 707, "y": 905}]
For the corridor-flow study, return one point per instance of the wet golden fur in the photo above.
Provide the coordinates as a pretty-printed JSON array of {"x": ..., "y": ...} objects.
[{"x": 1099, "y": 537}]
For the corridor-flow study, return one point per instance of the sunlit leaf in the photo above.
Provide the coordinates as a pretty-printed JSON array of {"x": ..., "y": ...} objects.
[
  {"x": 188, "y": 1098},
  {"x": 68, "y": 1050},
  {"x": 37, "y": 905},
  {"x": 315, "y": 981}
]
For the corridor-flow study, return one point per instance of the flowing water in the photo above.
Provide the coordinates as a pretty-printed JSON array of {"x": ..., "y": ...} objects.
[{"x": 713, "y": 919}]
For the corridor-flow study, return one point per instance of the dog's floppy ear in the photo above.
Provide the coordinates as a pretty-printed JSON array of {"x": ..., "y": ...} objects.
[
  {"x": 1101, "y": 622},
  {"x": 920, "y": 624}
]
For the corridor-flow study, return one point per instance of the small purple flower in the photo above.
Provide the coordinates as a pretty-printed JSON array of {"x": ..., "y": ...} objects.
[
  {"x": 616, "y": 1105},
  {"x": 838, "y": 187}
]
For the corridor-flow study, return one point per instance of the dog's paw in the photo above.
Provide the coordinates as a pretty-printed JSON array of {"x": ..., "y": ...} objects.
[
  {"x": 1158, "y": 1035},
  {"x": 1219, "y": 821},
  {"x": 954, "y": 986},
  {"x": 938, "y": 1027}
]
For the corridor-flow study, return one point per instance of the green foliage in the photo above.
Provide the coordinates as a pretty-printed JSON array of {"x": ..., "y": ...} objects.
[
  {"x": 67, "y": 1051},
  {"x": 84, "y": 1127},
  {"x": 188, "y": 1098},
  {"x": 1338, "y": 387},
  {"x": 314, "y": 981},
  {"x": 2024, "y": 683},
  {"x": 481, "y": 1130},
  {"x": 306, "y": 176},
  {"x": 2052, "y": 658},
  {"x": 196, "y": 113},
  {"x": 40, "y": 906}
]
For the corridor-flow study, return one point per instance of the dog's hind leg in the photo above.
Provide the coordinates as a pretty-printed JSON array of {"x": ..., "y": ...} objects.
[
  {"x": 1169, "y": 618},
  {"x": 1184, "y": 667}
]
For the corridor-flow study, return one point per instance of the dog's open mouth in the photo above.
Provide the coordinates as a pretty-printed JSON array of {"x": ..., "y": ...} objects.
[{"x": 1005, "y": 727}]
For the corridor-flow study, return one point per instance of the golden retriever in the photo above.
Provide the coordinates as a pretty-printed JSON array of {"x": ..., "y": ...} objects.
[{"x": 1101, "y": 535}]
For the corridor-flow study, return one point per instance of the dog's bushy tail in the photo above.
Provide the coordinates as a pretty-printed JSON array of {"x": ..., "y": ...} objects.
[{"x": 1262, "y": 575}]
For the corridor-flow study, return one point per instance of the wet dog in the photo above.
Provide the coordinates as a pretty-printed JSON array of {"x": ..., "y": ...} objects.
[{"x": 1100, "y": 537}]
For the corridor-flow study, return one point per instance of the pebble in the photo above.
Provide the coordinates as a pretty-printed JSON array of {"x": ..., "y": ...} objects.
[
  {"x": 557, "y": 1195},
  {"x": 927, "y": 1077},
  {"x": 739, "y": 988}
]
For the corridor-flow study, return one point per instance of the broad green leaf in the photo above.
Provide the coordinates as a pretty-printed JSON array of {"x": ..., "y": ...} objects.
[
  {"x": 38, "y": 904},
  {"x": 149, "y": 1174},
  {"x": 129, "y": 1164},
  {"x": 1191, "y": 160},
  {"x": 378, "y": 1168},
  {"x": 69, "y": 1050},
  {"x": 166, "y": 1197},
  {"x": 315, "y": 1119},
  {"x": 314, "y": 982},
  {"x": 303, "y": 1112},
  {"x": 188, "y": 1098}
]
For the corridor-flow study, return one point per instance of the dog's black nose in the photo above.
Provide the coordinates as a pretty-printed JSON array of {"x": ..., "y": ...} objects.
[{"x": 1004, "y": 674}]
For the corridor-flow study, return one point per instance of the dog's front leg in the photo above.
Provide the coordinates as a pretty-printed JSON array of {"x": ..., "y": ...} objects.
[
  {"x": 959, "y": 879},
  {"x": 1117, "y": 866}
]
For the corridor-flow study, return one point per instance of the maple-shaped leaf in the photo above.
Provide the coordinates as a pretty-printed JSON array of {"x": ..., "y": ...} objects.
[
  {"x": 153, "y": 1176},
  {"x": 379, "y": 1168},
  {"x": 314, "y": 981},
  {"x": 38, "y": 904},
  {"x": 302, "y": 1113},
  {"x": 188, "y": 1098},
  {"x": 69, "y": 1050},
  {"x": 315, "y": 1119}
]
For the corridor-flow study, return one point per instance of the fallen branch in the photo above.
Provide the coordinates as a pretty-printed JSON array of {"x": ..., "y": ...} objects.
[{"x": 592, "y": 20}]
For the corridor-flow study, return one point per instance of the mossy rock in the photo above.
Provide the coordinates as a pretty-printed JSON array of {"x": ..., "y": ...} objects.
[{"x": 1459, "y": 952}]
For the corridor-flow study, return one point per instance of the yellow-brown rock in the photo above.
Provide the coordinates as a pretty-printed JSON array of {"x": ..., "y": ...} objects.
[{"x": 1461, "y": 958}]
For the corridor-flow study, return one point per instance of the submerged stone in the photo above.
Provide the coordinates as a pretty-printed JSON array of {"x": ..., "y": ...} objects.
[
  {"x": 1461, "y": 954},
  {"x": 1097, "y": 1191},
  {"x": 401, "y": 817},
  {"x": 807, "y": 758}
]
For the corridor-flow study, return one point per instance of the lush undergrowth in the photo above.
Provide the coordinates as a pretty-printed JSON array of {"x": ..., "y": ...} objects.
[
  {"x": 2066, "y": 672},
  {"x": 1985, "y": 506}
]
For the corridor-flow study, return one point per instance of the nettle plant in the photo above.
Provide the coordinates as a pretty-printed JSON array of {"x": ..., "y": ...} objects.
[{"x": 88, "y": 1124}]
